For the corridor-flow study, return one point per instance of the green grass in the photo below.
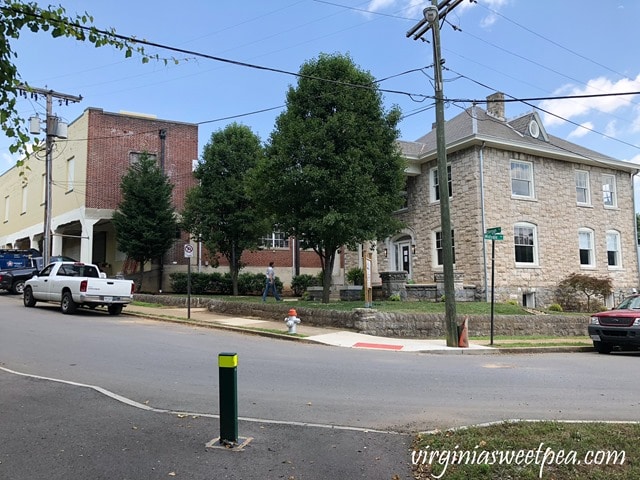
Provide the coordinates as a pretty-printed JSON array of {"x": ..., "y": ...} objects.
[
  {"x": 559, "y": 438},
  {"x": 148, "y": 304},
  {"x": 503, "y": 341},
  {"x": 462, "y": 308}
]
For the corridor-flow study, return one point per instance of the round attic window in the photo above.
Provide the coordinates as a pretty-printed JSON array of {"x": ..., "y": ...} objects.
[{"x": 534, "y": 129}]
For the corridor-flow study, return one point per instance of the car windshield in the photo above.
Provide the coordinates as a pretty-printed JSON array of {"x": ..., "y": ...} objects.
[{"x": 630, "y": 303}]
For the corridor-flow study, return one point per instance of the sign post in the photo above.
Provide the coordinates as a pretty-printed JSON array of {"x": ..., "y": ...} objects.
[
  {"x": 188, "y": 253},
  {"x": 493, "y": 234},
  {"x": 367, "y": 287}
]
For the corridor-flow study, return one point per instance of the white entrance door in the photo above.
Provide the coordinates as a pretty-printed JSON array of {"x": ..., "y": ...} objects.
[{"x": 403, "y": 257}]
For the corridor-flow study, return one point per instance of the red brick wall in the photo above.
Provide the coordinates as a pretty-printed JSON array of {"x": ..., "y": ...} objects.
[
  {"x": 112, "y": 137},
  {"x": 281, "y": 257}
]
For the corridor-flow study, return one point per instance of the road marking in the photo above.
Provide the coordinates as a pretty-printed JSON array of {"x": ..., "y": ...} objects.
[
  {"x": 381, "y": 346},
  {"x": 142, "y": 406}
]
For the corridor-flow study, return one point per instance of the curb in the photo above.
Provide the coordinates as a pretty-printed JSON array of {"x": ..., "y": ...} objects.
[
  {"x": 287, "y": 337},
  {"x": 218, "y": 326}
]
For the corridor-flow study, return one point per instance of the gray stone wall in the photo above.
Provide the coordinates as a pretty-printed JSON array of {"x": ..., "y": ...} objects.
[{"x": 403, "y": 325}]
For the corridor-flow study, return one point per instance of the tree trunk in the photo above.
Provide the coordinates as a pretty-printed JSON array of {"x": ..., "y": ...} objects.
[
  {"x": 327, "y": 270},
  {"x": 141, "y": 277},
  {"x": 233, "y": 270}
]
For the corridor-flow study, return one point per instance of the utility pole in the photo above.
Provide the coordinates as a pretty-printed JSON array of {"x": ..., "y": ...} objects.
[
  {"x": 52, "y": 131},
  {"x": 432, "y": 16}
]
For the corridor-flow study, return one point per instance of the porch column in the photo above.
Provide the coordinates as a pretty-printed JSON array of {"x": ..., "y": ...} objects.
[
  {"x": 56, "y": 243},
  {"x": 86, "y": 242}
]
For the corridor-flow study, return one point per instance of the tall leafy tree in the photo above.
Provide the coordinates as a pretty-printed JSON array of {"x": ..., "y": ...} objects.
[
  {"x": 333, "y": 173},
  {"x": 219, "y": 210},
  {"x": 145, "y": 221}
]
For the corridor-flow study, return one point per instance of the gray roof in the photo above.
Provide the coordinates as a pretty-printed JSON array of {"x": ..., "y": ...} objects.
[{"x": 475, "y": 126}]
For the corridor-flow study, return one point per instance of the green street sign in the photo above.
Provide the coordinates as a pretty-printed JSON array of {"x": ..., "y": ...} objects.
[
  {"x": 493, "y": 230},
  {"x": 493, "y": 236}
]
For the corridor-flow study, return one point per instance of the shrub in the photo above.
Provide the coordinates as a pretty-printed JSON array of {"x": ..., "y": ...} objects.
[
  {"x": 300, "y": 283},
  {"x": 178, "y": 282},
  {"x": 587, "y": 285},
  {"x": 355, "y": 276},
  {"x": 395, "y": 297},
  {"x": 555, "y": 307}
]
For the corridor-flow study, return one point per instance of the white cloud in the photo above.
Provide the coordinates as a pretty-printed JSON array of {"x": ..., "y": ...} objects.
[
  {"x": 635, "y": 125},
  {"x": 571, "y": 108},
  {"x": 611, "y": 129},
  {"x": 582, "y": 130}
]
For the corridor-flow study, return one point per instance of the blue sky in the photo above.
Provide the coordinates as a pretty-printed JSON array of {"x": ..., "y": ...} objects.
[{"x": 523, "y": 48}]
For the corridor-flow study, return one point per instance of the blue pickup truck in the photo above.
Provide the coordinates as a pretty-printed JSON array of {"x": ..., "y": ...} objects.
[{"x": 18, "y": 266}]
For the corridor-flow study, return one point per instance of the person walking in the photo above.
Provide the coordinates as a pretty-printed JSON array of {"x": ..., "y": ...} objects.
[{"x": 270, "y": 283}]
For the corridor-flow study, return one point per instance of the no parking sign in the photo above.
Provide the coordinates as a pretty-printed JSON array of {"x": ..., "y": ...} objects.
[{"x": 188, "y": 250}]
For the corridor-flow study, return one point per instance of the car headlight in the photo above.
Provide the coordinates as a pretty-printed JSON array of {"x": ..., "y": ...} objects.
[
  {"x": 596, "y": 321},
  {"x": 636, "y": 322}
]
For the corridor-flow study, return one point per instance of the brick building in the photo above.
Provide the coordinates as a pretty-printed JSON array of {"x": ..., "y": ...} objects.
[
  {"x": 86, "y": 170},
  {"x": 562, "y": 209}
]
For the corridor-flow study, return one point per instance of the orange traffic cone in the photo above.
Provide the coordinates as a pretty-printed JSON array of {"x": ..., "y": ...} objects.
[{"x": 463, "y": 340}]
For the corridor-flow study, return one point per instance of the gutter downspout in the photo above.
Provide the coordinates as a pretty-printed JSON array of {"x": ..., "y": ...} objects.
[
  {"x": 635, "y": 223},
  {"x": 483, "y": 222},
  {"x": 163, "y": 136},
  {"x": 474, "y": 123}
]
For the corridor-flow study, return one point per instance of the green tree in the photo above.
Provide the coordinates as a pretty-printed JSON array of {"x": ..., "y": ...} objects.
[
  {"x": 145, "y": 221},
  {"x": 638, "y": 227},
  {"x": 219, "y": 210},
  {"x": 588, "y": 285},
  {"x": 333, "y": 173},
  {"x": 19, "y": 15}
]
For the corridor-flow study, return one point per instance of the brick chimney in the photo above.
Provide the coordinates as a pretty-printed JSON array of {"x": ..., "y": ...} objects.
[{"x": 495, "y": 105}]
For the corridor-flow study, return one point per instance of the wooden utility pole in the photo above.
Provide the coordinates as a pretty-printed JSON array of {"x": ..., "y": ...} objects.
[
  {"x": 52, "y": 131},
  {"x": 431, "y": 21}
]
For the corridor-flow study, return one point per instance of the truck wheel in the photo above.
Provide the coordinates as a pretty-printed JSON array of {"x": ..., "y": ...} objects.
[
  {"x": 603, "y": 348},
  {"x": 27, "y": 298},
  {"x": 115, "y": 309},
  {"x": 67, "y": 305},
  {"x": 18, "y": 287}
]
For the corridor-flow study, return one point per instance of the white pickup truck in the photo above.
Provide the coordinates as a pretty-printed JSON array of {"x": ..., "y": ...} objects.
[{"x": 75, "y": 284}]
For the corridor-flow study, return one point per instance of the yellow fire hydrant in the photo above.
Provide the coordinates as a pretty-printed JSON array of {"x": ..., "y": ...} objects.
[{"x": 292, "y": 320}]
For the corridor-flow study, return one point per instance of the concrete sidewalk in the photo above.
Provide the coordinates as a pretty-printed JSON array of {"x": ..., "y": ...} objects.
[{"x": 308, "y": 333}]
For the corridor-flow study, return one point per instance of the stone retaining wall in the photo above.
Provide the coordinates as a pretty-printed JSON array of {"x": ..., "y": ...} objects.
[{"x": 386, "y": 324}]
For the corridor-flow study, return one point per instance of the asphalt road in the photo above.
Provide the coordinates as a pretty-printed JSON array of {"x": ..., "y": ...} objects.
[
  {"x": 175, "y": 367},
  {"x": 311, "y": 409}
]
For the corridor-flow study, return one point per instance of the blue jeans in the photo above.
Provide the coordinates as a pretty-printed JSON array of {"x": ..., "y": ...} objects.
[{"x": 270, "y": 286}]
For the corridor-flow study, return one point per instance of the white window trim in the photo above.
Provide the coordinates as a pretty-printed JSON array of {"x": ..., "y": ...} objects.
[
  {"x": 25, "y": 197},
  {"x": 532, "y": 191},
  {"x": 619, "y": 249},
  {"x": 71, "y": 164},
  {"x": 6, "y": 208},
  {"x": 614, "y": 193},
  {"x": 534, "y": 228},
  {"x": 437, "y": 267},
  {"x": 587, "y": 187},
  {"x": 592, "y": 248},
  {"x": 271, "y": 239},
  {"x": 433, "y": 175}
]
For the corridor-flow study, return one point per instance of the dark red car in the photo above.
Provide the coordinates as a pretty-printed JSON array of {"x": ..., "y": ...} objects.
[{"x": 619, "y": 327}]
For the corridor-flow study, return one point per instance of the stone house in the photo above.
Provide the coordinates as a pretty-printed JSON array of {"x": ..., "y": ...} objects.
[{"x": 561, "y": 208}]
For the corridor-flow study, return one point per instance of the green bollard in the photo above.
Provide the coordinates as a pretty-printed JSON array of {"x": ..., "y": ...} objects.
[{"x": 228, "y": 380}]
